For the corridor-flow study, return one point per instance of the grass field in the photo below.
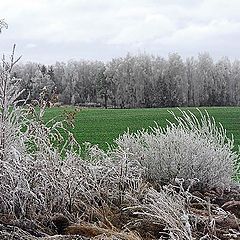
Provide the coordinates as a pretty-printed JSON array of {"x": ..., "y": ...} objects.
[{"x": 102, "y": 126}]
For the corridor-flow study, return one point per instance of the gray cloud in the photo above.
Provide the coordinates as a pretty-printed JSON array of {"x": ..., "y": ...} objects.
[{"x": 46, "y": 31}]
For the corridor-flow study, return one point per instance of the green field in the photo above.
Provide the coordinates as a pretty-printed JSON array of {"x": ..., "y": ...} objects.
[{"x": 102, "y": 126}]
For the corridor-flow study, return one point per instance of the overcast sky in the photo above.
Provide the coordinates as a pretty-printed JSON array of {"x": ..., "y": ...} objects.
[{"x": 59, "y": 30}]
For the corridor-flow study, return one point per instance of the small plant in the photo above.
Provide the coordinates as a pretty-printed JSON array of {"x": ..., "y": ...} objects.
[{"x": 189, "y": 148}]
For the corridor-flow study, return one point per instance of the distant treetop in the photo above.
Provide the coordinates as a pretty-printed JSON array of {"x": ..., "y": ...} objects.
[{"x": 3, "y": 24}]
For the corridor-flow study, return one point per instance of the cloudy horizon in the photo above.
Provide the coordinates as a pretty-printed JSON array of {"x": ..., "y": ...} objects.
[{"x": 50, "y": 31}]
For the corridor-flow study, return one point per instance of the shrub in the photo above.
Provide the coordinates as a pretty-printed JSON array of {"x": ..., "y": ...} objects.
[
  {"x": 189, "y": 148},
  {"x": 35, "y": 180}
]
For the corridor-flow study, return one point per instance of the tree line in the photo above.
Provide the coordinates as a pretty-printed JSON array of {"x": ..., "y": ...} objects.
[{"x": 137, "y": 81}]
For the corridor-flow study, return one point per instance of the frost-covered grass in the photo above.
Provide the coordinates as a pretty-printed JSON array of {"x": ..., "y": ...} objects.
[
  {"x": 168, "y": 152},
  {"x": 99, "y": 126},
  {"x": 188, "y": 148},
  {"x": 38, "y": 182}
]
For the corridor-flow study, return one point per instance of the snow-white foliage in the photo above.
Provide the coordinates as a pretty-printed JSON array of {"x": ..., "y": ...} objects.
[
  {"x": 189, "y": 148},
  {"x": 36, "y": 181},
  {"x": 137, "y": 81},
  {"x": 12, "y": 118},
  {"x": 167, "y": 208}
]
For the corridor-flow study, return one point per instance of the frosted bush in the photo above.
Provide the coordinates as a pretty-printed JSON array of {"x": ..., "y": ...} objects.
[
  {"x": 189, "y": 148},
  {"x": 34, "y": 179}
]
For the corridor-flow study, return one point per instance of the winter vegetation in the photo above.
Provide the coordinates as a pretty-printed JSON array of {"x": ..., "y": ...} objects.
[
  {"x": 186, "y": 149},
  {"x": 138, "y": 190},
  {"x": 166, "y": 183},
  {"x": 101, "y": 126},
  {"x": 136, "y": 81}
]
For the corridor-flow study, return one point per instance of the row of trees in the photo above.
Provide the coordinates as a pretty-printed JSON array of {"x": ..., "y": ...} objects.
[{"x": 137, "y": 81}]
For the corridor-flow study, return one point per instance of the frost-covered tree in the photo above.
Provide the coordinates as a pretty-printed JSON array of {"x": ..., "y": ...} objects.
[
  {"x": 235, "y": 84},
  {"x": 192, "y": 84},
  {"x": 205, "y": 78},
  {"x": 3, "y": 24},
  {"x": 221, "y": 88},
  {"x": 176, "y": 81},
  {"x": 137, "y": 81}
]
